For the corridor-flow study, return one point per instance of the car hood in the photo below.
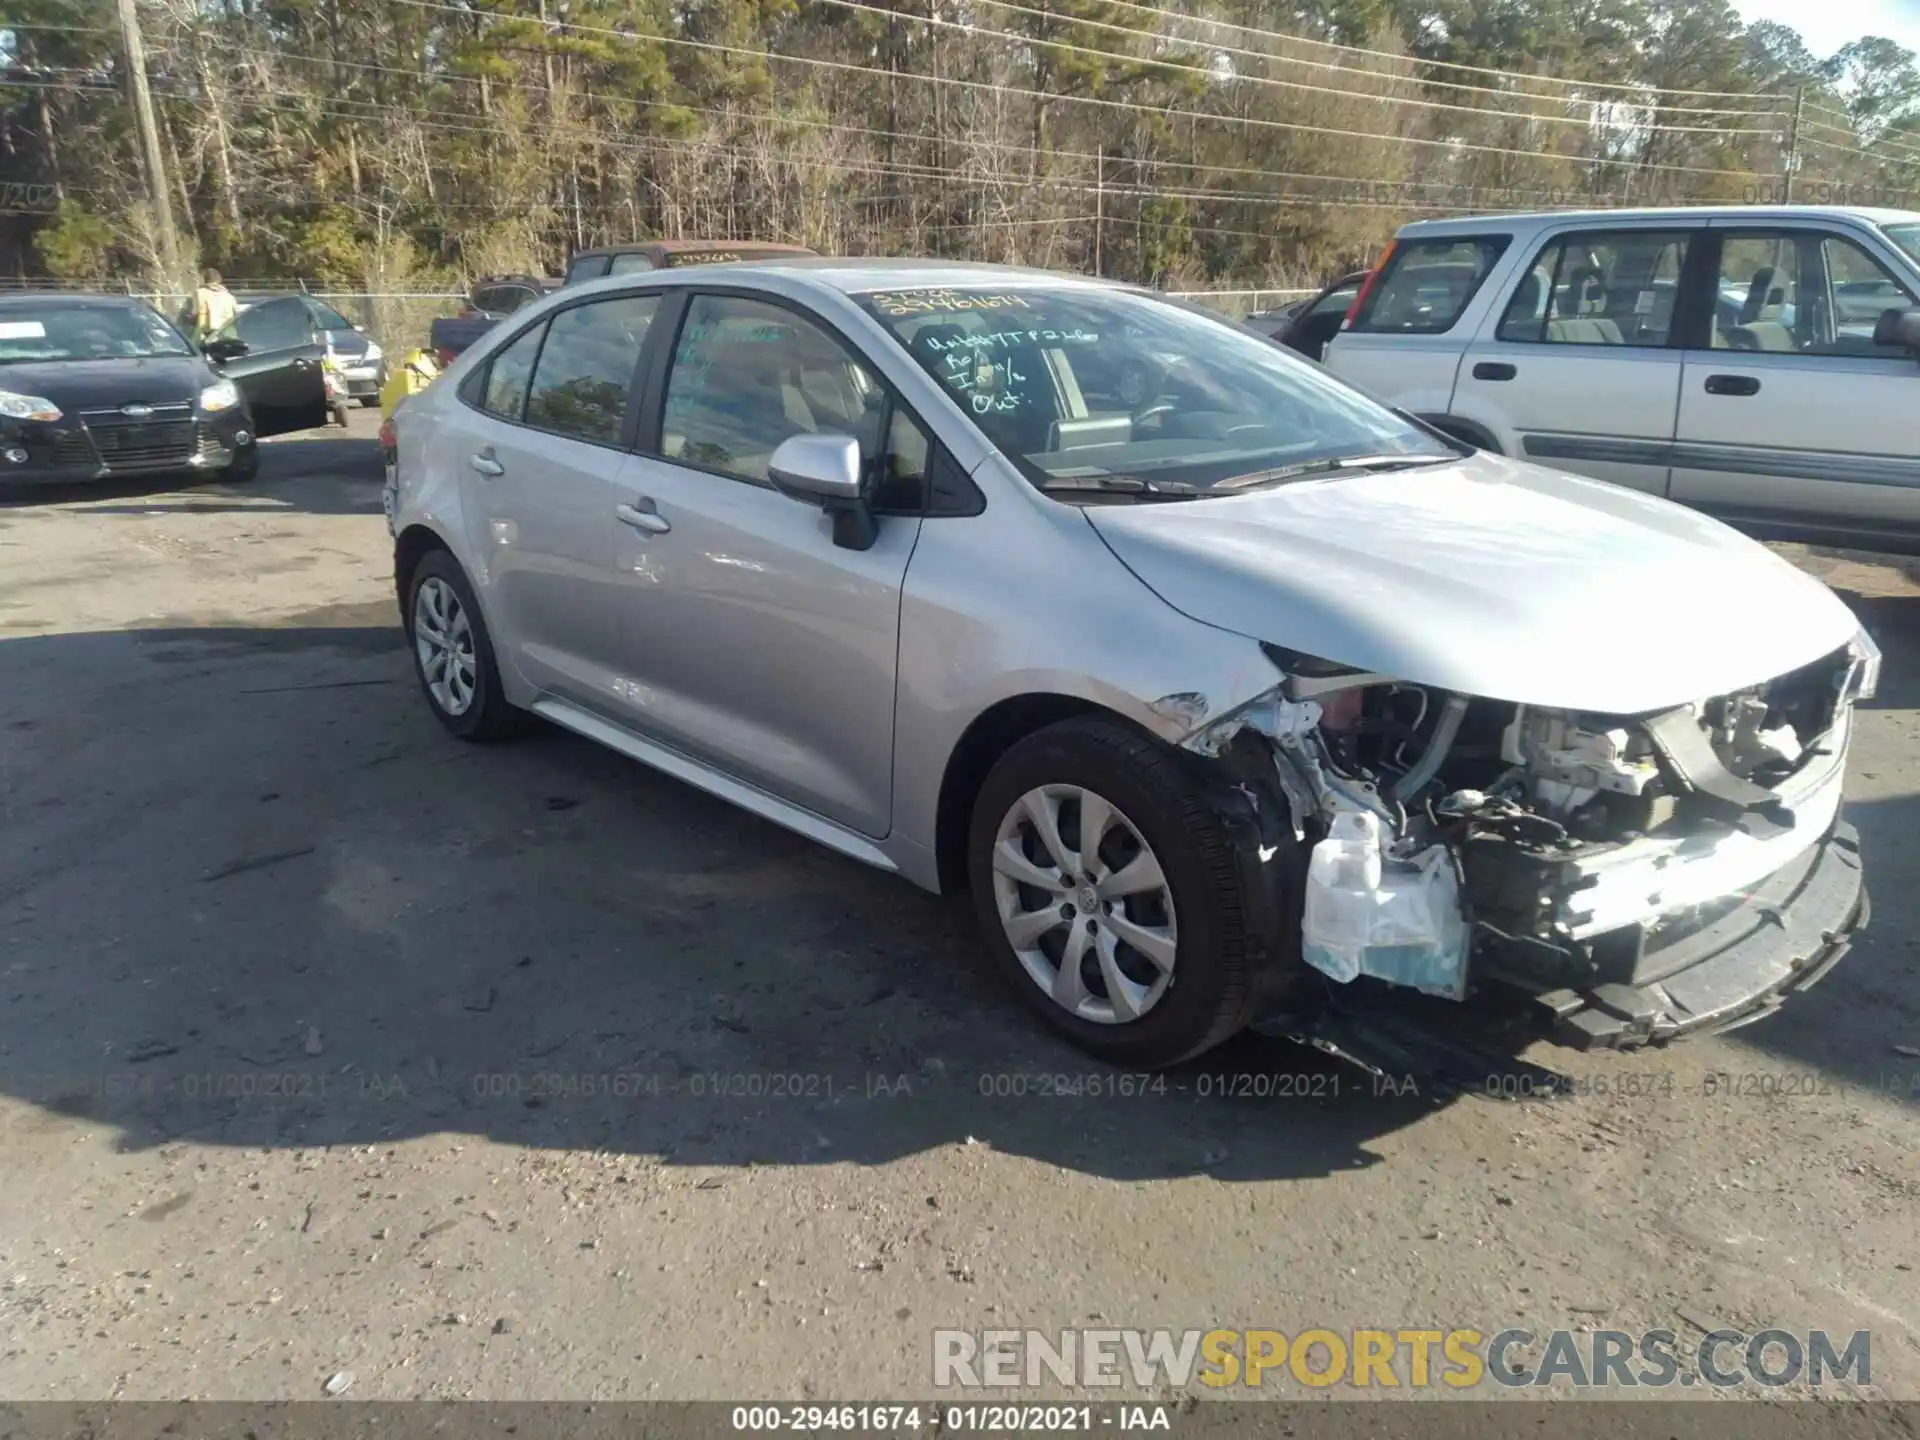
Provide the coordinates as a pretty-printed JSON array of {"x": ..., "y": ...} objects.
[
  {"x": 105, "y": 384},
  {"x": 347, "y": 344},
  {"x": 1492, "y": 578}
]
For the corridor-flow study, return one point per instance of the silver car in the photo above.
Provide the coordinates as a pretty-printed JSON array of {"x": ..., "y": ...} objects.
[{"x": 1231, "y": 697}]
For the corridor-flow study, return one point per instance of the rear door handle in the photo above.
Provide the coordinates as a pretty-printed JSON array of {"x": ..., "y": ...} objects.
[
  {"x": 486, "y": 464},
  {"x": 1732, "y": 385},
  {"x": 1494, "y": 370},
  {"x": 642, "y": 517}
]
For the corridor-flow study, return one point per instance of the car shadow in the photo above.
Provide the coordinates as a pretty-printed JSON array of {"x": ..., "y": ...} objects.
[
  {"x": 321, "y": 472},
  {"x": 253, "y": 895}
]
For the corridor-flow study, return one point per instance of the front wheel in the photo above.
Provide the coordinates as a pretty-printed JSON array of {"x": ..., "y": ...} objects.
[
  {"x": 453, "y": 653},
  {"x": 1111, "y": 896}
]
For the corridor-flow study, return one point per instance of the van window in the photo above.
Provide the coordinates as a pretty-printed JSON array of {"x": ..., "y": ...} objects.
[
  {"x": 1599, "y": 288},
  {"x": 1428, "y": 283},
  {"x": 632, "y": 263},
  {"x": 1799, "y": 291}
]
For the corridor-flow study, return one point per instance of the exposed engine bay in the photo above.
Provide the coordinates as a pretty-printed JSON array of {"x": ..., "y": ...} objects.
[{"x": 1457, "y": 840}]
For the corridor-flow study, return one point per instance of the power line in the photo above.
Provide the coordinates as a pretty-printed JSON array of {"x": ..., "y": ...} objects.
[
  {"x": 1453, "y": 65},
  {"x": 457, "y": 123},
  {"x": 843, "y": 67},
  {"x": 60, "y": 29},
  {"x": 1885, "y": 151},
  {"x": 708, "y": 151},
  {"x": 1509, "y": 192},
  {"x": 1081, "y": 22}
]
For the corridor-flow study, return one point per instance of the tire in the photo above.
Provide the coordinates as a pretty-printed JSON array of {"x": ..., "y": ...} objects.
[
  {"x": 486, "y": 715},
  {"x": 243, "y": 472},
  {"x": 367, "y": 402},
  {"x": 1208, "y": 989}
]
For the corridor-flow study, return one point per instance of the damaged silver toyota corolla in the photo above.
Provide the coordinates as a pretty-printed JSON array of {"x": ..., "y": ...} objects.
[{"x": 1233, "y": 695}]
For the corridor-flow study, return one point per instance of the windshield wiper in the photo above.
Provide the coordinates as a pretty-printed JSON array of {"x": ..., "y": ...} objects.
[
  {"x": 1330, "y": 465},
  {"x": 1131, "y": 485}
]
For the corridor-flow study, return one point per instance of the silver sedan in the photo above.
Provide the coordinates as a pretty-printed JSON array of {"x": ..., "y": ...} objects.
[{"x": 1227, "y": 691}]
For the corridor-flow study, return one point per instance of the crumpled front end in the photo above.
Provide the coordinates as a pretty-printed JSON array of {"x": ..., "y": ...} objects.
[{"x": 1641, "y": 877}]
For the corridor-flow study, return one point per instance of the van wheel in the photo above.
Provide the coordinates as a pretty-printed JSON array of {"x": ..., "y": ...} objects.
[
  {"x": 453, "y": 654},
  {"x": 1109, "y": 896}
]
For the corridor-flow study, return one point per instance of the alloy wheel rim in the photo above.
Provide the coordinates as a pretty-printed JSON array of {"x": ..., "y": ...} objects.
[
  {"x": 1085, "y": 904},
  {"x": 443, "y": 646}
]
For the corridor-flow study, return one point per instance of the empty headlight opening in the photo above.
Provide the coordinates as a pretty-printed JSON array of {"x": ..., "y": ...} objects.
[{"x": 1454, "y": 837}]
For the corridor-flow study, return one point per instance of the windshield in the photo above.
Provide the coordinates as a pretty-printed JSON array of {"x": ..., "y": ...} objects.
[
  {"x": 1114, "y": 391},
  {"x": 1907, "y": 237},
  {"x": 330, "y": 318},
  {"x": 61, "y": 331}
]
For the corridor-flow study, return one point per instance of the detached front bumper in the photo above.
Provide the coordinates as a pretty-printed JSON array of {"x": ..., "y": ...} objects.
[{"x": 1731, "y": 964}]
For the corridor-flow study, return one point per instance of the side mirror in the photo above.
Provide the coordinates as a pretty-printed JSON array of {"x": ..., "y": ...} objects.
[
  {"x": 219, "y": 351},
  {"x": 1899, "y": 328},
  {"x": 825, "y": 470}
]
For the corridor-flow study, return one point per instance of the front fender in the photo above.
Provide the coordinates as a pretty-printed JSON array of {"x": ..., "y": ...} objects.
[{"x": 1037, "y": 605}]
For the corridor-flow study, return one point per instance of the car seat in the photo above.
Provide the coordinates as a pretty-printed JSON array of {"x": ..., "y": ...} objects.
[
  {"x": 1761, "y": 327},
  {"x": 1587, "y": 325}
]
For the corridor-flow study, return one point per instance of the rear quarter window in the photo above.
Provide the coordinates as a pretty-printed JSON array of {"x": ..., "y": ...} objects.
[{"x": 1428, "y": 284}]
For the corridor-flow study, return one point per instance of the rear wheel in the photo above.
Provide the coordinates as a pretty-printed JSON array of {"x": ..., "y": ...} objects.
[
  {"x": 1110, "y": 895},
  {"x": 453, "y": 653}
]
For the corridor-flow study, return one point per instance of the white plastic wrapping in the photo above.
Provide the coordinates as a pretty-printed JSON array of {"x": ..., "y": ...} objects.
[{"x": 1396, "y": 921}]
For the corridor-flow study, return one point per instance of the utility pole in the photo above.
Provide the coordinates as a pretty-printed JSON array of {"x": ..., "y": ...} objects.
[
  {"x": 1793, "y": 145},
  {"x": 142, "y": 100}
]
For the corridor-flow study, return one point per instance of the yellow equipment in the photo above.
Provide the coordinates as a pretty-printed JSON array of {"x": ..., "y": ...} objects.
[{"x": 408, "y": 378}]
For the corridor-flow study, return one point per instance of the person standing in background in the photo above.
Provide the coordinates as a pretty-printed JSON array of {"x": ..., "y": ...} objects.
[{"x": 213, "y": 307}]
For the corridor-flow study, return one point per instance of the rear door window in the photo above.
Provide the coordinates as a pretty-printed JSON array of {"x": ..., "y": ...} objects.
[
  {"x": 505, "y": 394},
  {"x": 328, "y": 317},
  {"x": 1428, "y": 284},
  {"x": 1338, "y": 300},
  {"x": 585, "y": 374},
  {"x": 1599, "y": 288},
  {"x": 275, "y": 325}
]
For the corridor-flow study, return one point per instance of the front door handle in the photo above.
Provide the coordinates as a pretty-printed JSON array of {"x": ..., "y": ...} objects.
[
  {"x": 1494, "y": 370},
  {"x": 1732, "y": 385},
  {"x": 486, "y": 464},
  {"x": 642, "y": 517}
]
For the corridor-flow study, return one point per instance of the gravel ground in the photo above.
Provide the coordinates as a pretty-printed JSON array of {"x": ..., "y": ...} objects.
[{"x": 329, "y": 1044}]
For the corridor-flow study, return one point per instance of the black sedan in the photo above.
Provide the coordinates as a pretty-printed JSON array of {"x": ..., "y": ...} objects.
[
  {"x": 274, "y": 324},
  {"x": 93, "y": 386}
]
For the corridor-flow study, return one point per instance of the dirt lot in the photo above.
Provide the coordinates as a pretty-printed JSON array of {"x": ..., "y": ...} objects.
[{"x": 330, "y": 1044}]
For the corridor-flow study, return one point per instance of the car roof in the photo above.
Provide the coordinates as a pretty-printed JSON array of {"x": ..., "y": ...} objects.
[
  {"x": 861, "y": 276},
  {"x": 1688, "y": 214},
  {"x": 68, "y": 297},
  {"x": 691, "y": 247}
]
